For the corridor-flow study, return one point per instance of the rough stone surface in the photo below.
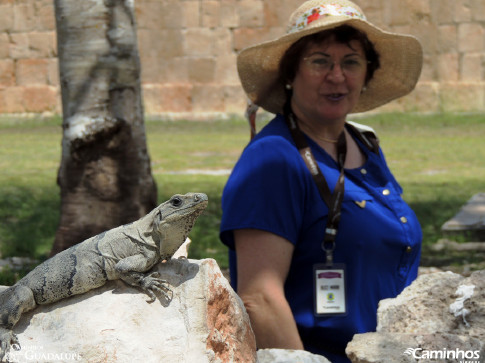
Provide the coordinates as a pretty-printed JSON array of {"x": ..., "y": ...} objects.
[
  {"x": 286, "y": 356},
  {"x": 205, "y": 321},
  {"x": 439, "y": 312}
]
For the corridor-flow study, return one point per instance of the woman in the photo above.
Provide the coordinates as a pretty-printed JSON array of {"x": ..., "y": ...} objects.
[{"x": 317, "y": 229}]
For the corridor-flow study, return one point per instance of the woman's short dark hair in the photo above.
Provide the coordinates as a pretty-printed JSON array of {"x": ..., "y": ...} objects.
[{"x": 343, "y": 34}]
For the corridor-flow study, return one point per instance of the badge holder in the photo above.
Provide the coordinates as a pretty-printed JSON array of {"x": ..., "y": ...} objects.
[
  {"x": 329, "y": 286},
  {"x": 329, "y": 278}
]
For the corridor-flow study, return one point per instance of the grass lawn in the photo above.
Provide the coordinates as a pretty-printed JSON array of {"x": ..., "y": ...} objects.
[{"x": 438, "y": 159}]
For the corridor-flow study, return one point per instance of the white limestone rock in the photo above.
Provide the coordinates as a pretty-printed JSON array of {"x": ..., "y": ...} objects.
[
  {"x": 204, "y": 322},
  {"x": 441, "y": 314},
  {"x": 288, "y": 355}
]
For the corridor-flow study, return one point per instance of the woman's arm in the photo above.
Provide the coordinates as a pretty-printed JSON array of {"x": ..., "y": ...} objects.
[{"x": 263, "y": 262}]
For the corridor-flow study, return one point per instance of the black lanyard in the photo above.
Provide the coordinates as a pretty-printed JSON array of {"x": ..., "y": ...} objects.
[{"x": 332, "y": 200}]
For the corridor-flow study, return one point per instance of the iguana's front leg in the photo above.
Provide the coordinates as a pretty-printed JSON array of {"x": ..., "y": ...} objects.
[
  {"x": 131, "y": 270},
  {"x": 13, "y": 302},
  {"x": 8, "y": 339}
]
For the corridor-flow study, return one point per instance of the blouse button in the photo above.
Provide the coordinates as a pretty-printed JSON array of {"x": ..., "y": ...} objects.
[
  {"x": 408, "y": 249},
  {"x": 386, "y": 192},
  {"x": 404, "y": 219},
  {"x": 363, "y": 171}
]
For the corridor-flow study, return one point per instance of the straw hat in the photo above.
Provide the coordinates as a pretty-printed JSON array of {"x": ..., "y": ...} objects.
[{"x": 401, "y": 56}]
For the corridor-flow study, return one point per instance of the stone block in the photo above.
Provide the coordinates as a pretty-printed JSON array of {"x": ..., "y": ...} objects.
[
  {"x": 170, "y": 15},
  {"x": 24, "y": 18},
  {"x": 277, "y": 14},
  {"x": 167, "y": 98},
  {"x": 32, "y": 72},
  {"x": 53, "y": 72},
  {"x": 442, "y": 11},
  {"x": 375, "y": 16},
  {"x": 427, "y": 34},
  {"x": 478, "y": 10},
  {"x": 472, "y": 67},
  {"x": 198, "y": 42},
  {"x": 6, "y": 17},
  {"x": 222, "y": 42},
  {"x": 40, "y": 99},
  {"x": 234, "y": 100},
  {"x": 208, "y": 98},
  {"x": 448, "y": 67},
  {"x": 191, "y": 14},
  {"x": 19, "y": 46},
  {"x": 46, "y": 17},
  {"x": 471, "y": 37},
  {"x": 420, "y": 7},
  {"x": 245, "y": 37},
  {"x": 429, "y": 70},
  {"x": 158, "y": 69},
  {"x": 11, "y": 100},
  {"x": 251, "y": 13},
  {"x": 201, "y": 70},
  {"x": 419, "y": 11},
  {"x": 424, "y": 98},
  {"x": 43, "y": 44},
  {"x": 462, "y": 97},
  {"x": 229, "y": 14},
  {"x": 159, "y": 15},
  {"x": 447, "y": 38},
  {"x": 163, "y": 43},
  {"x": 396, "y": 13},
  {"x": 4, "y": 45},
  {"x": 462, "y": 11},
  {"x": 226, "y": 69},
  {"x": 211, "y": 13},
  {"x": 149, "y": 15},
  {"x": 7, "y": 73}
]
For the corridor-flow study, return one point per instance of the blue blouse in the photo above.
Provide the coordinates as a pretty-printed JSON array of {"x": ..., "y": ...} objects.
[{"x": 271, "y": 189}]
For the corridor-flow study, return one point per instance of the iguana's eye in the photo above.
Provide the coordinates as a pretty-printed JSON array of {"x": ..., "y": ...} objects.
[{"x": 176, "y": 202}]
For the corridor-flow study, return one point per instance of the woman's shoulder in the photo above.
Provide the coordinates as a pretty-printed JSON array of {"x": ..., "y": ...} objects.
[
  {"x": 273, "y": 139},
  {"x": 365, "y": 134}
]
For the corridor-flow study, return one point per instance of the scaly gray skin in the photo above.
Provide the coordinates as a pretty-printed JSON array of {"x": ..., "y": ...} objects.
[{"x": 125, "y": 252}]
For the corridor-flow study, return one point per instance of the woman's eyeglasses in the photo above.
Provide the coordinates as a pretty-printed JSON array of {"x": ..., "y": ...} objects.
[{"x": 350, "y": 66}]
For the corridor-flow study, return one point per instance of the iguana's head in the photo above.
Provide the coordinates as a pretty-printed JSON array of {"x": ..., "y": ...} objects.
[{"x": 174, "y": 219}]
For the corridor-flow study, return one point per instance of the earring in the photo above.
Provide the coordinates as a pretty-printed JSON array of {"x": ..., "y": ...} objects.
[
  {"x": 288, "y": 86},
  {"x": 363, "y": 89}
]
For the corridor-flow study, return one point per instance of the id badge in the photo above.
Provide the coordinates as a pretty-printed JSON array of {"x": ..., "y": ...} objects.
[{"x": 329, "y": 290}]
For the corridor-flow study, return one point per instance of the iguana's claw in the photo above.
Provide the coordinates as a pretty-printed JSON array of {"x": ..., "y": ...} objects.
[
  {"x": 152, "y": 283},
  {"x": 7, "y": 339}
]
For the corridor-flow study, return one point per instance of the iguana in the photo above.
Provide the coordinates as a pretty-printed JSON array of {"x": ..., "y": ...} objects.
[{"x": 125, "y": 252}]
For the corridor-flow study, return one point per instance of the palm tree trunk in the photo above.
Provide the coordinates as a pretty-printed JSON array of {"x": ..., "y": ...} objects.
[{"x": 104, "y": 177}]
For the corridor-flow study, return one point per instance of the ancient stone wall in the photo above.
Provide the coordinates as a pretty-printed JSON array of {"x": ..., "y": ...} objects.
[{"x": 188, "y": 52}]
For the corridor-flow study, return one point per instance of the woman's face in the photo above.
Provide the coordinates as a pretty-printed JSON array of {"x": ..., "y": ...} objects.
[{"x": 328, "y": 81}]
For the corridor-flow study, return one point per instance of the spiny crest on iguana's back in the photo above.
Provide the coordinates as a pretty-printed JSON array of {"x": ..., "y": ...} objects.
[{"x": 174, "y": 220}]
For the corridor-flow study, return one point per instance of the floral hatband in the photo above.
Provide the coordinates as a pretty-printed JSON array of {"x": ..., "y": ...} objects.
[{"x": 324, "y": 10}]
